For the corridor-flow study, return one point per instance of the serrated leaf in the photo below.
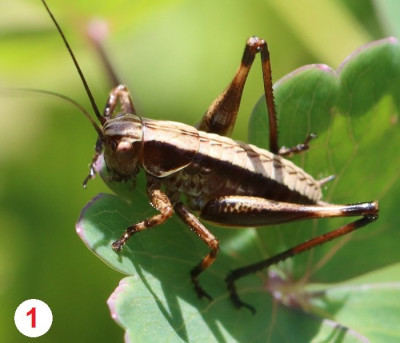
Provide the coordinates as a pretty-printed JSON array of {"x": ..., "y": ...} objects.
[{"x": 355, "y": 114}]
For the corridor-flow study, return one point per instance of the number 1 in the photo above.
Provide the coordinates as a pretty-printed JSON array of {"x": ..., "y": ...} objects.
[{"x": 32, "y": 312}]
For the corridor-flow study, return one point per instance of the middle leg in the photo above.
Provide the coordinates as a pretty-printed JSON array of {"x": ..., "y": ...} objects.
[{"x": 197, "y": 227}]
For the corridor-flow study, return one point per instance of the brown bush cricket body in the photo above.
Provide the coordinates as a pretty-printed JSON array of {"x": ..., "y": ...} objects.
[{"x": 226, "y": 182}]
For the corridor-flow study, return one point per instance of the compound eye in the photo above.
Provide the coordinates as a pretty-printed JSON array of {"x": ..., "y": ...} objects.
[{"x": 124, "y": 148}]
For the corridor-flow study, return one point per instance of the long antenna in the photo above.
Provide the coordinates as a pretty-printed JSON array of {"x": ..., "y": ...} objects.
[
  {"x": 64, "y": 97},
  {"x": 78, "y": 68}
]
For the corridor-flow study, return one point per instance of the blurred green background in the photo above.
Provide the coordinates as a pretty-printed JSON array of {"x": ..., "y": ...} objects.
[{"x": 176, "y": 57}]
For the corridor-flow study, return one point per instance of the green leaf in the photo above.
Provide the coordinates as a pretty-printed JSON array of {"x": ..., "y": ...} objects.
[
  {"x": 370, "y": 308},
  {"x": 355, "y": 113}
]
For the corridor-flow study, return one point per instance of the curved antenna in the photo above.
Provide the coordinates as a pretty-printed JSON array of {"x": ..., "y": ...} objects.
[
  {"x": 66, "y": 98},
  {"x": 82, "y": 77}
]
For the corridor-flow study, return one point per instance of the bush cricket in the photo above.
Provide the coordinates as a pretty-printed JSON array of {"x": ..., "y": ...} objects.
[{"x": 224, "y": 181}]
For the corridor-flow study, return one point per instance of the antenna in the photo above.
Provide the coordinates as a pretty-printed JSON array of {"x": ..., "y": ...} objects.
[
  {"x": 78, "y": 68},
  {"x": 64, "y": 97}
]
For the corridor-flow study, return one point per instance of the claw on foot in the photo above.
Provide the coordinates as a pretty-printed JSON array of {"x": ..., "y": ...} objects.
[
  {"x": 230, "y": 283},
  {"x": 201, "y": 293},
  {"x": 117, "y": 246}
]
